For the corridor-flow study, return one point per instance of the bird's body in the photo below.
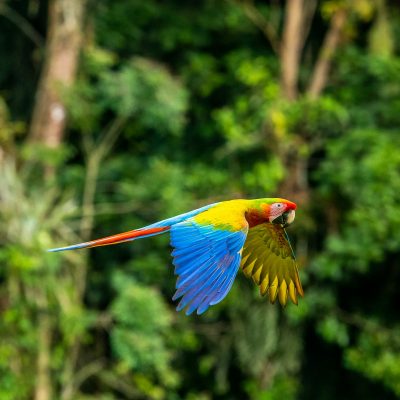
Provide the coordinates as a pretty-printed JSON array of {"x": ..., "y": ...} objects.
[{"x": 212, "y": 242}]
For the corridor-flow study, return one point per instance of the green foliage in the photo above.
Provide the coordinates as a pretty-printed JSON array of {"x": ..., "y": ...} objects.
[
  {"x": 139, "y": 89},
  {"x": 371, "y": 181},
  {"x": 142, "y": 319},
  {"x": 31, "y": 219},
  {"x": 381, "y": 37},
  {"x": 282, "y": 388},
  {"x": 333, "y": 330},
  {"x": 242, "y": 121},
  {"x": 377, "y": 355},
  {"x": 8, "y": 129}
]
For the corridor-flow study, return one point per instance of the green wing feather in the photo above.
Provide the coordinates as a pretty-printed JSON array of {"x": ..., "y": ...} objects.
[{"x": 268, "y": 258}]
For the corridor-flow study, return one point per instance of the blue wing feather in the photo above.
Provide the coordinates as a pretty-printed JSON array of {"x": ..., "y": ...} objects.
[
  {"x": 219, "y": 290},
  {"x": 206, "y": 261},
  {"x": 198, "y": 287}
]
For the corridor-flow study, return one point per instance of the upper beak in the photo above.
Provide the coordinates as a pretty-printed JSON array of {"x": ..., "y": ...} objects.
[{"x": 285, "y": 218}]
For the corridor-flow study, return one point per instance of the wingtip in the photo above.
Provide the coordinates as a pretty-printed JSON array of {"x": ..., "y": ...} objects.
[
  {"x": 300, "y": 289},
  {"x": 189, "y": 311}
]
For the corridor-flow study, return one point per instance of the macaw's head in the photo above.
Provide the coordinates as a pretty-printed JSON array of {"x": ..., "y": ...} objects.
[{"x": 281, "y": 211}]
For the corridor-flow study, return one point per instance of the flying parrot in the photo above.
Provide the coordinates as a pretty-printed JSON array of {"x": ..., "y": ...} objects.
[{"x": 211, "y": 243}]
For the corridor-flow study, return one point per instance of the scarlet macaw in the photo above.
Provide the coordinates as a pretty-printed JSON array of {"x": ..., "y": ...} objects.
[{"x": 212, "y": 242}]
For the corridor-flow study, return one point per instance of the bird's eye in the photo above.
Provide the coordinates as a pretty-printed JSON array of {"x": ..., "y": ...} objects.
[{"x": 279, "y": 205}]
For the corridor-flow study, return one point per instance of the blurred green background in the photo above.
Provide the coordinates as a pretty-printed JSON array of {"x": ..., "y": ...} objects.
[{"x": 115, "y": 114}]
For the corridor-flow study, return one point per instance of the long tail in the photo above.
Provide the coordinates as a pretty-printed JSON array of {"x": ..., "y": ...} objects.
[
  {"x": 149, "y": 230},
  {"x": 118, "y": 238}
]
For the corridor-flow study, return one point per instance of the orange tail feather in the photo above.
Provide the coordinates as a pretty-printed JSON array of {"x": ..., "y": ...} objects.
[{"x": 114, "y": 239}]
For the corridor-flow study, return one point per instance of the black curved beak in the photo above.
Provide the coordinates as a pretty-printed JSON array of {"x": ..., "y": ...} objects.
[{"x": 284, "y": 219}]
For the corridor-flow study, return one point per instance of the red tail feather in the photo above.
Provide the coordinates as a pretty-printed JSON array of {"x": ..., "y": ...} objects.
[{"x": 122, "y": 237}]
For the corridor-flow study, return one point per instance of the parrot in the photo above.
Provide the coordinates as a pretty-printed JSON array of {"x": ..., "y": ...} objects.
[{"x": 210, "y": 244}]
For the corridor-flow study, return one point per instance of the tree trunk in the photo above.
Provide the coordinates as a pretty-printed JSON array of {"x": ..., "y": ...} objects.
[
  {"x": 292, "y": 44},
  {"x": 63, "y": 45},
  {"x": 62, "y": 54}
]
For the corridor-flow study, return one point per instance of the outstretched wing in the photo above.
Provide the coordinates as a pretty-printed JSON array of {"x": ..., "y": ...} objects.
[
  {"x": 268, "y": 258},
  {"x": 206, "y": 258}
]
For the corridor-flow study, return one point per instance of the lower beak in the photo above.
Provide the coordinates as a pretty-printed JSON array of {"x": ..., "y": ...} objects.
[{"x": 285, "y": 218}]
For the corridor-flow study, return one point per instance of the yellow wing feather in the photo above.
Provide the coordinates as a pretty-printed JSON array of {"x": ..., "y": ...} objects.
[{"x": 268, "y": 259}]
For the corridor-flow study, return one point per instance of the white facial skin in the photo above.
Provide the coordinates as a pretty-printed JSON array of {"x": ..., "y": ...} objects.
[{"x": 277, "y": 209}]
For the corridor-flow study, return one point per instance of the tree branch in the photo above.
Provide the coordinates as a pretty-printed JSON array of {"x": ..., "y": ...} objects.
[
  {"x": 262, "y": 23},
  {"x": 309, "y": 11},
  {"x": 90, "y": 369},
  {"x": 322, "y": 66},
  {"x": 43, "y": 389},
  {"x": 116, "y": 382},
  {"x": 95, "y": 155},
  {"x": 22, "y": 23}
]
